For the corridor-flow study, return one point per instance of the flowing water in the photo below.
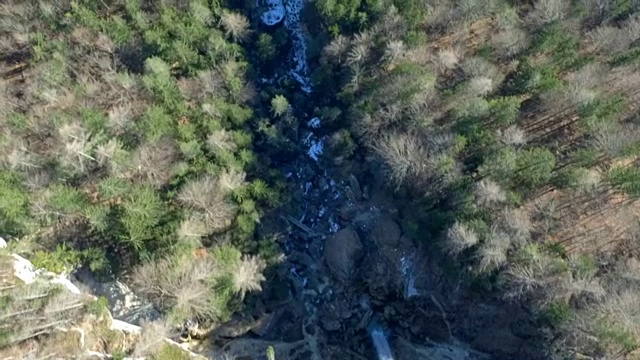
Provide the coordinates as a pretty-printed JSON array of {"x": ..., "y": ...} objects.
[{"x": 322, "y": 196}]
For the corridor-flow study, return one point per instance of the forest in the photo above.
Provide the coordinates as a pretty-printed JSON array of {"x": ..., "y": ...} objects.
[{"x": 200, "y": 152}]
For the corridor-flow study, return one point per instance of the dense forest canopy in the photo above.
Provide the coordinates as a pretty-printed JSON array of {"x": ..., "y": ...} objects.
[{"x": 156, "y": 141}]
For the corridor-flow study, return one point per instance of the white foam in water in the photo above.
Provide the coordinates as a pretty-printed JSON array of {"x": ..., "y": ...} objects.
[
  {"x": 290, "y": 11},
  {"x": 300, "y": 72},
  {"x": 405, "y": 264},
  {"x": 381, "y": 344},
  {"x": 322, "y": 211},
  {"x": 334, "y": 225},
  {"x": 314, "y": 123},
  {"x": 316, "y": 147}
]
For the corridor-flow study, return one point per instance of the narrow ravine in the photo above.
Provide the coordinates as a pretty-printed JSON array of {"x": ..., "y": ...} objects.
[{"x": 334, "y": 311}]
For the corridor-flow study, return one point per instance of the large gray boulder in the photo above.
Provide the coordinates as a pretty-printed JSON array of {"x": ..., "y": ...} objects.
[
  {"x": 124, "y": 304},
  {"x": 342, "y": 251}
]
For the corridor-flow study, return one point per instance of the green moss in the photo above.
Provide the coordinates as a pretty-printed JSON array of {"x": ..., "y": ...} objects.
[
  {"x": 609, "y": 332},
  {"x": 557, "y": 313},
  {"x": 171, "y": 352},
  {"x": 628, "y": 57},
  {"x": 14, "y": 204},
  {"x": 98, "y": 307}
]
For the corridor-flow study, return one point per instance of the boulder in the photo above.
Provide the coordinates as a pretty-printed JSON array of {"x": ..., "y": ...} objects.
[
  {"x": 342, "y": 252},
  {"x": 124, "y": 304},
  {"x": 385, "y": 232}
]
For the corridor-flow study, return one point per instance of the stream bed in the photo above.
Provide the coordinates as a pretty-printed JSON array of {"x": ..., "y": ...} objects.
[{"x": 350, "y": 267}]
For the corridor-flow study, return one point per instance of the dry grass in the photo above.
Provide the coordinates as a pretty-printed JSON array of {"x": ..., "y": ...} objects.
[
  {"x": 152, "y": 338},
  {"x": 76, "y": 148}
]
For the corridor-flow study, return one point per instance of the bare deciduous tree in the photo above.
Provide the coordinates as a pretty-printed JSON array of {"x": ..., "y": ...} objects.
[
  {"x": 512, "y": 136},
  {"x": 7, "y": 102},
  {"x": 207, "y": 196},
  {"x": 247, "y": 275},
  {"x": 236, "y": 25},
  {"x": 459, "y": 237},
  {"x": 192, "y": 229},
  {"x": 492, "y": 253},
  {"x": 613, "y": 323},
  {"x": 609, "y": 39},
  {"x": 480, "y": 85},
  {"x": 15, "y": 155},
  {"x": 404, "y": 154},
  {"x": 154, "y": 161},
  {"x": 616, "y": 142},
  {"x": 478, "y": 67},
  {"x": 120, "y": 118},
  {"x": 447, "y": 59},
  {"x": 393, "y": 51},
  {"x": 113, "y": 156},
  {"x": 517, "y": 223},
  {"x": 511, "y": 41},
  {"x": 210, "y": 83},
  {"x": 179, "y": 285},
  {"x": 547, "y": 11},
  {"x": 151, "y": 339},
  {"x": 230, "y": 180},
  {"x": 336, "y": 49},
  {"x": 220, "y": 140},
  {"x": 488, "y": 193}
]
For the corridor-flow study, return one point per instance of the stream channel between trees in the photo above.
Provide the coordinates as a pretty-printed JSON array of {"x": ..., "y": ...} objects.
[{"x": 355, "y": 292}]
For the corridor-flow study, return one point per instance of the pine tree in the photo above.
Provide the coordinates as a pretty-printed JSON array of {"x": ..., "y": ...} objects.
[
  {"x": 279, "y": 105},
  {"x": 534, "y": 167}
]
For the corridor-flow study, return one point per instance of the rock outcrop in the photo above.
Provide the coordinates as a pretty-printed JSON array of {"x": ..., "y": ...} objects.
[
  {"x": 124, "y": 304},
  {"x": 342, "y": 252},
  {"x": 91, "y": 333}
]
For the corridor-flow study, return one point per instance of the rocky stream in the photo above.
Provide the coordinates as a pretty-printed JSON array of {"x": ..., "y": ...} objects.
[{"x": 357, "y": 288}]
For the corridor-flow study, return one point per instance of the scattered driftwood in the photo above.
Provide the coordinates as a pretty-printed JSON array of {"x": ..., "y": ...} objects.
[{"x": 308, "y": 231}]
